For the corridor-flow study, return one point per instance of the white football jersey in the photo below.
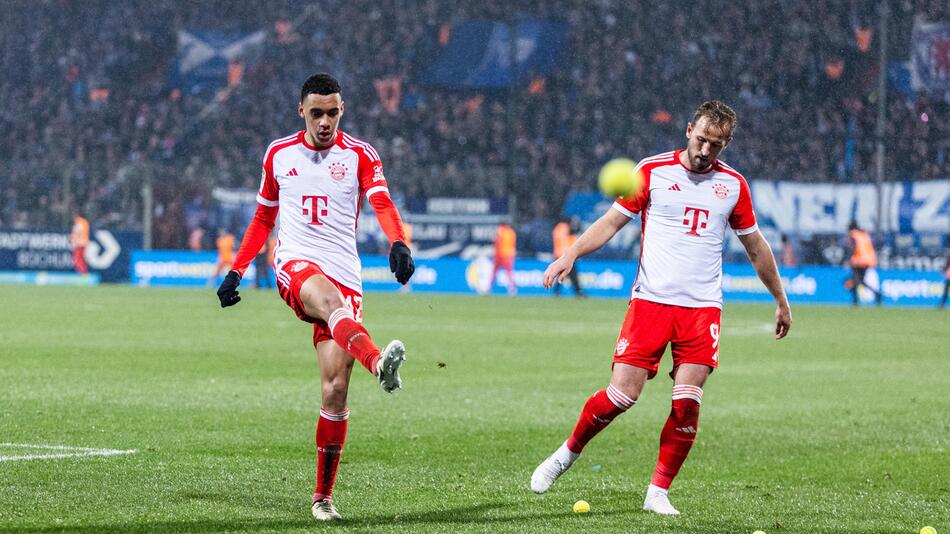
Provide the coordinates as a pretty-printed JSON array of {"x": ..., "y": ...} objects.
[
  {"x": 319, "y": 193},
  {"x": 685, "y": 216}
]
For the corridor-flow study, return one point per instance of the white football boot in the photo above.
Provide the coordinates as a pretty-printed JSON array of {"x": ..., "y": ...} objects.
[
  {"x": 551, "y": 468},
  {"x": 387, "y": 368},
  {"x": 323, "y": 510},
  {"x": 658, "y": 500}
]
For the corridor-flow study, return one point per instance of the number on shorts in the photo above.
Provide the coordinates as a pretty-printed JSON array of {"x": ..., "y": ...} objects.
[
  {"x": 714, "y": 333},
  {"x": 353, "y": 302}
]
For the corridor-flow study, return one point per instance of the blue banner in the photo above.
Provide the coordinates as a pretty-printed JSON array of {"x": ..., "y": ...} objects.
[
  {"x": 930, "y": 58},
  {"x": 914, "y": 220},
  {"x": 46, "y": 278},
  {"x": 599, "y": 278},
  {"x": 824, "y": 208},
  {"x": 179, "y": 268},
  {"x": 605, "y": 278},
  {"x": 107, "y": 254},
  {"x": 478, "y": 54},
  {"x": 204, "y": 57}
]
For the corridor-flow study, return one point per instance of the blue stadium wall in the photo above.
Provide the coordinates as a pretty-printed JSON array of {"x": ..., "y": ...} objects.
[{"x": 599, "y": 278}]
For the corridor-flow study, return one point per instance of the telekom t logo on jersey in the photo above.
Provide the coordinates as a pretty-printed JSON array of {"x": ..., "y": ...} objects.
[
  {"x": 696, "y": 219},
  {"x": 317, "y": 209}
]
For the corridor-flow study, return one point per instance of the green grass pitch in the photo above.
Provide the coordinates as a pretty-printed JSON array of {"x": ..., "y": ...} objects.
[{"x": 842, "y": 427}]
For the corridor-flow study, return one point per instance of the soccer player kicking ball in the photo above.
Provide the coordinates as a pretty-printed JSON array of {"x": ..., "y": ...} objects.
[
  {"x": 316, "y": 179},
  {"x": 688, "y": 201}
]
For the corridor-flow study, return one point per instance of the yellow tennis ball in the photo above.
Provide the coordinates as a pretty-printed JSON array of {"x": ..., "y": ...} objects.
[
  {"x": 758, "y": 532},
  {"x": 619, "y": 178},
  {"x": 581, "y": 507},
  {"x": 928, "y": 530}
]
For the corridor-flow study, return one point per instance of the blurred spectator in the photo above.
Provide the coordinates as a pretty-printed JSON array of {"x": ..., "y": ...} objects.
[
  {"x": 789, "y": 258},
  {"x": 863, "y": 258},
  {"x": 563, "y": 236},
  {"x": 225, "y": 246},
  {"x": 90, "y": 115},
  {"x": 79, "y": 239},
  {"x": 946, "y": 275},
  {"x": 506, "y": 246}
]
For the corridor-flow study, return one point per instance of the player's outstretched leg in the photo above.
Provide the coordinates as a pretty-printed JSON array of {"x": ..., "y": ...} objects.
[
  {"x": 350, "y": 334},
  {"x": 676, "y": 440},
  {"x": 601, "y": 408},
  {"x": 387, "y": 368}
]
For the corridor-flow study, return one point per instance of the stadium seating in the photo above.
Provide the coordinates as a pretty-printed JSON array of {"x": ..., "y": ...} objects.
[{"x": 89, "y": 113}]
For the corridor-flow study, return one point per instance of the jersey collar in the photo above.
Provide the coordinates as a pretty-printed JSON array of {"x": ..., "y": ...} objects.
[{"x": 302, "y": 137}]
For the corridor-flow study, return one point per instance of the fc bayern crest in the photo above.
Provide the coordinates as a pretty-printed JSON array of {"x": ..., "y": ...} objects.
[
  {"x": 721, "y": 190},
  {"x": 622, "y": 345},
  {"x": 337, "y": 171}
]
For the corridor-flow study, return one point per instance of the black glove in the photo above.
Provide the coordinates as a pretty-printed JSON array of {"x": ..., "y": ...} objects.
[
  {"x": 228, "y": 293},
  {"x": 400, "y": 262}
]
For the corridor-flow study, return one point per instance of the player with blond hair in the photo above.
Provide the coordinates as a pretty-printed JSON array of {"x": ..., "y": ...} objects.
[{"x": 688, "y": 202}]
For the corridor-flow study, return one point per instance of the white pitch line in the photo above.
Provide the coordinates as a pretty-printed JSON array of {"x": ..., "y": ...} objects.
[{"x": 77, "y": 452}]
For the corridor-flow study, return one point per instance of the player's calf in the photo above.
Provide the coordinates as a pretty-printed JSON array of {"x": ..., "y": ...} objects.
[
  {"x": 678, "y": 435},
  {"x": 601, "y": 408},
  {"x": 350, "y": 334},
  {"x": 330, "y": 439}
]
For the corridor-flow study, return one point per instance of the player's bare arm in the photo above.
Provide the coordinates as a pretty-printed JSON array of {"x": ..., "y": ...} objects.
[
  {"x": 592, "y": 239},
  {"x": 760, "y": 254}
]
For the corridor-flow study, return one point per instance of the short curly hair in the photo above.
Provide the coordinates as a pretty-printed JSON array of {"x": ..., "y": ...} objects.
[
  {"x": 719, "y": 115},
  {"x": 320, "y": 83}
]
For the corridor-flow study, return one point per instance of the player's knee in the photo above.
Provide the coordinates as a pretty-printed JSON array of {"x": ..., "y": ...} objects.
[
  {"x": 331, "y": 302},
  {"x": 630, "y": 388},
  {"x": 629, "y": 395},
  {"x": 334, "y": 393},
  {"x": 325, "y": 303}
]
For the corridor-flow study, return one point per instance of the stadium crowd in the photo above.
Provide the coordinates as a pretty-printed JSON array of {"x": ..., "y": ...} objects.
[{"x": 90, "y": 110}]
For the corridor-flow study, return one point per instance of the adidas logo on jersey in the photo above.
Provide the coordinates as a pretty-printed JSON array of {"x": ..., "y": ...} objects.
[
  {"x": 674, "y": 187},
  {"x": 687, "y": 430},
  {"x": 293, "y": 172}
]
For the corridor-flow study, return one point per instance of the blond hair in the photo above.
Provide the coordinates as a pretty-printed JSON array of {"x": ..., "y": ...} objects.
[{"x": 719, "y": 115}]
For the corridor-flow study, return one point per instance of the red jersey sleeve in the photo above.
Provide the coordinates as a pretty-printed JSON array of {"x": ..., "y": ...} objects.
[
  {"x": 370, "y": 172},
  {"x": 255, "y": 237},
  {"x": 269, "y": 192},
  {"x": 742, "y": 218},
  {"x": 373, "y": 185},
  {"x": 637, "y": 202}
]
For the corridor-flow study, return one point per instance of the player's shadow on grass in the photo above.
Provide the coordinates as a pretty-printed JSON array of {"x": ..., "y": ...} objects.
[{"x": 475, "y": 514}]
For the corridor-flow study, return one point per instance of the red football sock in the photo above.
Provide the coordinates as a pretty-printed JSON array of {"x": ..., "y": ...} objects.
[
  {"x": 600, "y": 410},
  {"x": 678, "y": 434},
  {"x": 354, "y": 339},
  {"x": 331, "y": 434}
]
